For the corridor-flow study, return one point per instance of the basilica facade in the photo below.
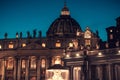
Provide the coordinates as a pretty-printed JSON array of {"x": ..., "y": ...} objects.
[{"x": 83, "y": 52}]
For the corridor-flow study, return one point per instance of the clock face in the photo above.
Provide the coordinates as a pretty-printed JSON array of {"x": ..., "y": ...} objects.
[{"x": 87, "y": 34}]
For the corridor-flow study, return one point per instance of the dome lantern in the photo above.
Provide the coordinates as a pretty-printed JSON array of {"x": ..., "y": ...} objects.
[{"x": 65, "y": 10}]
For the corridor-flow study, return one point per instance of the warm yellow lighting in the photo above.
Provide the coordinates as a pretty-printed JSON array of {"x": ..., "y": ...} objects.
[
  {"x": 58, "y": 60},
  {"x": 23, "y": 63},
  {"x": 58, "y": 44},
  {"x": 87, "y": 33},
  {"x": 10, "y": 63},
  {"x": 75, "y": 43},
  {"x": 100, "y": 54},
  {"x": 77, "y": 55},
  {"x": 23, "y": 45},
  {"x": 67, "y": 55},
  {"x": 10, "y": 46},
  {"x": 0, "y": 46},
  {"x": 43, "y": 63},
  {"x": 57, "y": 74},
  {"x": 65, "y": 13},
  {"x": 87, "y": 42},
  {"x": 33, "y": 62},
  {"x": 70, "y": 44},
  {"x": 110, "y": 30},
  {"x": 76, "y": 75},
  {"x": 43, "y": 45}
]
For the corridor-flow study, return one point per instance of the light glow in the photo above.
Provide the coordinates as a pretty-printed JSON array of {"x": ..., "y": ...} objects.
[
  {"x": 67, "y": 55},
  {"x": 0, "y": 46},
  {"x": 57, "y": 74},
  {"x": 43, "y": 45},
  {"x": 77, "y": 55},
  {"x": 70, "y": 44},
  {"x": 23, "y": 45},
  {"x": 10, "y": 46},
  {"x": 100, "y": 54}
]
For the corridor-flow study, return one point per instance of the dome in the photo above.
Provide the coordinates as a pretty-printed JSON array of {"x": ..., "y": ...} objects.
[{"x": 64, "y": 26}]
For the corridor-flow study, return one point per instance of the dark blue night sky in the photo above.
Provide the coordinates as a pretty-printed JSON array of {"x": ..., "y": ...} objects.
[{"x": 27, "y": 15}]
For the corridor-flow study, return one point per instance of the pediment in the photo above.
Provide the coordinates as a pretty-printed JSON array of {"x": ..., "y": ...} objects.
[{"x": 33, "y": 46}]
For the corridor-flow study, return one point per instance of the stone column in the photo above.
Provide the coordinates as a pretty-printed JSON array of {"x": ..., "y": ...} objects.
[
  {"x": 38, "y": 69},
  {"x": 117, "y": 72},
  {"x": 109, "y": 72},
  {"x": 99, "y": 72},
  {"x": 15, "y": 69},
  {"x": 27, "y": 69},
  {"x": 71, "y": 73},
  {"x": 19, "y": 69},
  {"x": 3, "y": 68}
]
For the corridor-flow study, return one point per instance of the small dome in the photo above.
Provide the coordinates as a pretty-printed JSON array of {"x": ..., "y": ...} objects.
[
  {"x": 65, "y": 9},
  {"x": 64, "y": 26}
]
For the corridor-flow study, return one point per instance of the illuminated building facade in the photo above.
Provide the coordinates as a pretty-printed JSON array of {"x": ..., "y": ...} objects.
[{"x": 83, "y": 52}]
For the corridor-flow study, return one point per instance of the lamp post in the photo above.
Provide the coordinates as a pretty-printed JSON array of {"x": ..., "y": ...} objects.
[
  {"x": 85, "y": 60},
  {"x": 85, "y": 65}
]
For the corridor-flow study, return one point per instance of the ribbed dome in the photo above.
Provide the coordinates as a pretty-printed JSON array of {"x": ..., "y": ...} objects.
[{"x": 64, "y": 26}]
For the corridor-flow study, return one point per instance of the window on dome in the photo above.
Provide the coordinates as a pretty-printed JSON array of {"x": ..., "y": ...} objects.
[
  {"x": 65, "y": 13},
  {"x": 43, "y": 45}
]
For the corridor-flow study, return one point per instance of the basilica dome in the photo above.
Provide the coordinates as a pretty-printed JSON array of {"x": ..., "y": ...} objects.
[{"x": 64, "y": 26}]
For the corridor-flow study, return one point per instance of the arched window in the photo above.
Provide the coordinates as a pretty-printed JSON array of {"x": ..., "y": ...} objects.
[
  {"x": 33, "y": 62},
  {"x": 23, "y": 64},
  {"x": 9, "y": 63},
  {"x": 43, "y": 63}
]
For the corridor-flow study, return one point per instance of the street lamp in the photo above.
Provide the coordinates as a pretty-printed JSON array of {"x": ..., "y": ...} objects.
[{"x": 85, "y": 65}]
